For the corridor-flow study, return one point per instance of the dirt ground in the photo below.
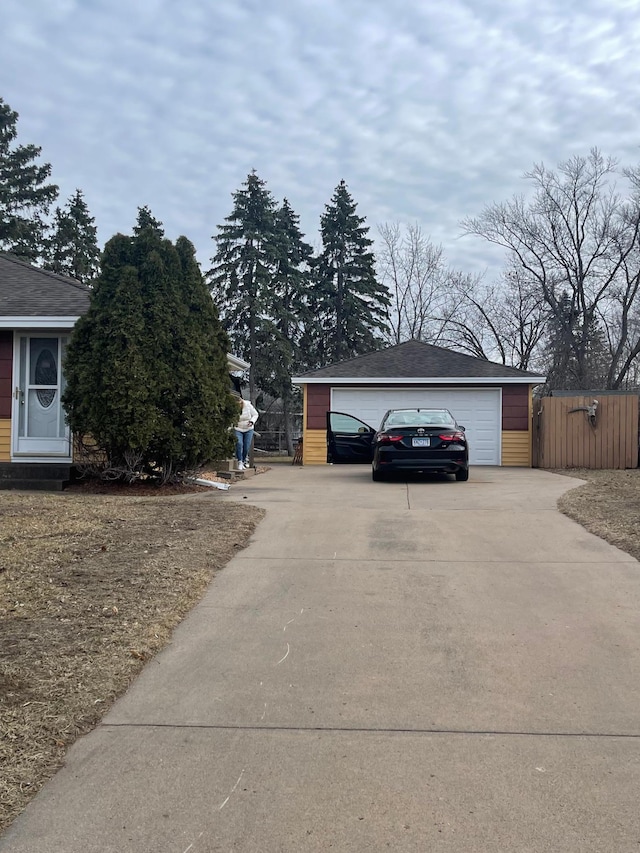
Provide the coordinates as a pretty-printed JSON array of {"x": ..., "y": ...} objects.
[{"x": 92, "y": 583}]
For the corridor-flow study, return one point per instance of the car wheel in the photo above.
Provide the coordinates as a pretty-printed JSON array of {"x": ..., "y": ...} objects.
[
  {"x": 462, "y": 475},
  {"x": 376, "y": 476}
]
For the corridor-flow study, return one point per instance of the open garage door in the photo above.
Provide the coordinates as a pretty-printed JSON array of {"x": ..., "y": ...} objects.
[{"x": 477, "y": 409}]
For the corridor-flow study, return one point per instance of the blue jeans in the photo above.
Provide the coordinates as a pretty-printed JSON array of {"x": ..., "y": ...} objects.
[{"x": 243, "y": 444}]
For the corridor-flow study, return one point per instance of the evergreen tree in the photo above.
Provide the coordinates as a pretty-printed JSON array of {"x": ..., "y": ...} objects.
[
  {"x": 351, "y": 306},
  {"x": 577, "y": 353},
  {"x": 146, "y": 369},
  {"x": 25, "y": 197},
  {"x": 243, "y": 269},
  {"x": 147, "y": 222},
  {"x": 203, "y": 406},
  {"x": 281, "y": 339},
  {"x": 72, "y": 249}
]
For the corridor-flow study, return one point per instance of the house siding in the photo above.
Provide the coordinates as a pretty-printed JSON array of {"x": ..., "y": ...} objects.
[
  {"x": 314, "y": 448},
  {"x": 6, "y": 392},
  {"x": 5, "y": 440},
  {"x": 6, "y": 373},
  {"x": 515, "y": 407},
  {"x": 516, "y": 448},
  {"x": 317, "y": 404},
  {"x": 516, "y": 426}
]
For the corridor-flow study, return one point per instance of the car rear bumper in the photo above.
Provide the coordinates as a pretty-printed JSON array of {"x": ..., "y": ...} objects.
[{"x": 444, "y": 464}]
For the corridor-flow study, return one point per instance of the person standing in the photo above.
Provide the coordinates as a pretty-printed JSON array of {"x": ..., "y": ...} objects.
[{"x": 244, "y": 432}]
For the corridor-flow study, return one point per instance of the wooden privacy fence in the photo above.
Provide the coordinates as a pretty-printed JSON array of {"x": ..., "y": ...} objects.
[{"x": 572, "y": 432}]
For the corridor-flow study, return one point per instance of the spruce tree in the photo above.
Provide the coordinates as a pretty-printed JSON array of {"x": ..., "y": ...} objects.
[
  {"x": 146, "y": 369},
  {"x": 25, "y": 195},
  {"x": 242, "y": 271},
  {"x": 290, "y": 285},
  {"x": 562, "y": 367},
  {"x": 351, "y": 306},
  {"x": 146, "y": 221},
  {"x": 72, "y": 249},
  {"x": 577, "y": 353}
]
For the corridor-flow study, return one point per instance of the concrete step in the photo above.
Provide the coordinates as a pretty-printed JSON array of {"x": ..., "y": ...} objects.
[{"x": 234, "y": 475}]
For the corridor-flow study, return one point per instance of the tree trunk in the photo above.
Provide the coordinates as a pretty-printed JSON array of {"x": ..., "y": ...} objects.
[{"x": 286, "y": 422}]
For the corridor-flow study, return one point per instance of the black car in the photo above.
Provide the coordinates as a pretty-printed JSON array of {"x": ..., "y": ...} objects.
[{"x": 408, "y": 440}]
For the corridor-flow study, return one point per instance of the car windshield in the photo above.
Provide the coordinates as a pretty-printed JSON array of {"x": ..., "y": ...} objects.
[{"x": 418, "y": 417}]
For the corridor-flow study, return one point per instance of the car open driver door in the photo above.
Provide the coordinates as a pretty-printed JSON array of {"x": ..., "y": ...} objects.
[{"x": 349, "y": 440}]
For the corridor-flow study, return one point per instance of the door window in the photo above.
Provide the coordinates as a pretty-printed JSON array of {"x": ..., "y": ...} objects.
[
  {"x": 347, "y": 424},
  {"x": 45, "y": 372}
]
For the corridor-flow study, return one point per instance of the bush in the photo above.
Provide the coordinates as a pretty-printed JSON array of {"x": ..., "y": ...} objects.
[{"x": 146, "y": 367}]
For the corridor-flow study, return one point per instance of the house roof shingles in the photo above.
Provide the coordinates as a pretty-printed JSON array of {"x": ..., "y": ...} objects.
[
  {"x": 417, "y": 360},
  {"x": 27, "y": 291}
]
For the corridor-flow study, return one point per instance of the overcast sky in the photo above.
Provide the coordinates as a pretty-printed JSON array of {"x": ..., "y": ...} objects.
[{"x": 429, "y": 110}]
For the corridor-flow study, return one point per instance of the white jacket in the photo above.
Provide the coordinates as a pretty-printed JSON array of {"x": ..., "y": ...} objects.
[{"x": 248, "y": 417}]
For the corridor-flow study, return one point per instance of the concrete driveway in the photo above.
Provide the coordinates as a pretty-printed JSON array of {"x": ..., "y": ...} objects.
[{"x": 407, "y": 667}]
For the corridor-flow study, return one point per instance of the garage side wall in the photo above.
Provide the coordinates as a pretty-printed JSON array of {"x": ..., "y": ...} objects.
[
  {"x": 516, "y": 425},
  {"x": 6, "y": 390},
  {"x": 317, "y": 402}
]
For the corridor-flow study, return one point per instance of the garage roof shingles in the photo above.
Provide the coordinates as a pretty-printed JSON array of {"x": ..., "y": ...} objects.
[
  {"x": 27, "y": 291},
  {"x": 416, "y": 360}
]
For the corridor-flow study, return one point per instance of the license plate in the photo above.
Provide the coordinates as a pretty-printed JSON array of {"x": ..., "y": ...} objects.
[{"x": 420, "y": 442}]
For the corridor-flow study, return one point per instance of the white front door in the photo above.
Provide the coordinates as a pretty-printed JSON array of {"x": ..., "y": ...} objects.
[{"x": 39, "y": 427}]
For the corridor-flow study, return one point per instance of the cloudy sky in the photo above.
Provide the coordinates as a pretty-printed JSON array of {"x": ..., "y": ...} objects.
[{"x": 429, "y": 110}]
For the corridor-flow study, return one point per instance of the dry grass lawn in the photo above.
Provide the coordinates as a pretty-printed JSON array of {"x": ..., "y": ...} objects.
[
  {"x": 92, "y": 584},
  {"x": 607, "y": 505}
]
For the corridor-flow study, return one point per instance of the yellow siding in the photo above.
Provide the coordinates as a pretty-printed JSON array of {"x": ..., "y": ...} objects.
[
  {"x": 516, "y": 448},
  {"x": 314, "y": 447},
  {"x": 5, "y": 440}
]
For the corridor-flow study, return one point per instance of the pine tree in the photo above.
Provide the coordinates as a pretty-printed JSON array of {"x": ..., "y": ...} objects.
[
  {"x": 562, "y": 368},
  {"x": 351, "y": 306},
  {"x": 281, "y": 340},
  {"x": 243, "y": 268},
  {"x": 577, "y": 352},
  {"x": 147, "y": 222},
  {"x": 72, "y": 249},
  {"x": 147, "y": 377},
  {"x": 25, "y": 197}
]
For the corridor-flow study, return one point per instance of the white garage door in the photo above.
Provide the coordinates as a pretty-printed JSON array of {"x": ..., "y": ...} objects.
[{"x": 477, "y": 410}]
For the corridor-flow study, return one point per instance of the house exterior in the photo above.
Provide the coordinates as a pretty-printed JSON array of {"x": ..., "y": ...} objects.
[
  {"x": 492, "y": 401},
  {"x": 38, "y": 310}
]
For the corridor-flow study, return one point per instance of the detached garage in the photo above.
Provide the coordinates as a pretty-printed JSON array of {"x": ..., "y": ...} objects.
[{"x": 492, "y": 401}]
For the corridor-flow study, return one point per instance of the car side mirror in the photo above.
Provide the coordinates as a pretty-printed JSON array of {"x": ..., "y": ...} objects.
[
  {"x": 363, "y": 430},
  {"x": 462, "y": 428}
]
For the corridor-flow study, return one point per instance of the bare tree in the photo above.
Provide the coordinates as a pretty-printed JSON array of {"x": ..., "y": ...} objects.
[
  {"x": 577, "y": 239},
  {"x": 503, "y": 321},
  {"x": 414, "y": 271}
]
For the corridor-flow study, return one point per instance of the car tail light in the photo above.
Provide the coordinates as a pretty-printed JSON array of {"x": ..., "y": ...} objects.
[
  {"x": 389, "y": 439},
  {"x": 452, "y": 436}
]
